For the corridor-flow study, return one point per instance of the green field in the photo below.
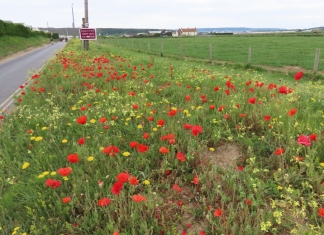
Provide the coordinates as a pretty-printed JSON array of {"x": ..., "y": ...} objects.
[
  {"x": 119, "y": 142},
  {"x": 276, "y": 51}
]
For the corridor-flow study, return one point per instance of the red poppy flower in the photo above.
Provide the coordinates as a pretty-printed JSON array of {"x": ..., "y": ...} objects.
[
  {"x": 65, "y": 171},
  {"x": 133, "y": 144},
  {"x": 304, "y": 140},
  {"x": 221, "y": 108},
  {"x": 103, "y": 120},
  {"x": 83, "y": 108},
  {"x": 133, "y": 180},
  {"x": 81, "y": 141},
  {"x": 195, "y": 180},
  {"x": 283, "y": 90},
  {"x": 181, "y": 157},
  {"x": 115, "y": 189},
  {"x": 248, "y": 202},
  {"x": 131, "y": 93},
  {"x": 164, "y": 150},
  {"x": 313, "y": 137},
  {"x": 172, "y": 113},
  {"x": 104, "y": 201},
  {"x": 111, "y": 150},
  {"x": 150, "y": 119},
  {"x": 292, "y": 112},
  {"x": 252, "y": 100},
  {"x": 298, "y": 75},
  {"x": 240, "y": 168},
  {"x": 188, "y": 98},
  {"x": 142, "y": 148},
  {"x": 172, "y": 141},
  {"x": 82, "y": 120},
  {"x": 135, "y": 106},
  {"x": 218, "y": 212},
  {"x": 187, "y": 126},
  {"x": 195, "y": 130},
  {"x": 66, "y": 199},
  {"x": 279, "y": 151},
  {"x": 227, "y": 92},
  {"x": 242, "y": 115},
  {"x": 73, "y": 158},
  {"x": 267, "y": 118},
  {"x": 146, "y": 135},
  {"x": 177, "y": 188},
  {"x": 321, "y": 212},
  {"x": 212, "y": 107},
  {"x": 53, "y": 183},
  {"x": 216, "y": 88},
  {"x": 1, "y": 117},
  {"x": 180, "y": 203},
  {"x": 166, "y": 137},
  {"x": 123, "y": 177},
  {"x": 160, "y": 122},
  {"x": 138, "y": 198}
]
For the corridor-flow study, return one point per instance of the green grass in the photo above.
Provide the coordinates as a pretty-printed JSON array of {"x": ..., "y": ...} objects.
[
  {"x": 246, "y": 184},
  {"x": 11, "y": 45},
  {"x": 275, "y": 51}
]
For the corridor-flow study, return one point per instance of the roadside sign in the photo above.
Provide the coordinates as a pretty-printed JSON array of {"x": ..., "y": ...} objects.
[{"x": 88, "y": 34}]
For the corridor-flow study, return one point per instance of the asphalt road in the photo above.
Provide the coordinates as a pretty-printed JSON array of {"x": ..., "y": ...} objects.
[{"x": 17, "y": 70}]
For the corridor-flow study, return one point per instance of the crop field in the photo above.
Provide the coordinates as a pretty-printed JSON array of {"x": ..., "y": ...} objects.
[
  {"x": 113, "y": 141},
  {"x": 275, "y": 51}
]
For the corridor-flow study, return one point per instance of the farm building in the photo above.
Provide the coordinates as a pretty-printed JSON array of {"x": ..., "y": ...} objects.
[{"x": 187, "y": 32}]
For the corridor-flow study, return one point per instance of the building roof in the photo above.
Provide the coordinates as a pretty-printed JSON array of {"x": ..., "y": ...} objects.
[{"x": 188, "y": 30}]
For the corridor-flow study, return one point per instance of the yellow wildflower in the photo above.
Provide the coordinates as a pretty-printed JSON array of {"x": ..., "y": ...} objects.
[
  {"x": 25, "y": 165},
  {"x": 126, "y": 154}
]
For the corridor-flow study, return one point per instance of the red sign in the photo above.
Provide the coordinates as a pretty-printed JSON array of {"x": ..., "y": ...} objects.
[{"x": 88, "y": 34}]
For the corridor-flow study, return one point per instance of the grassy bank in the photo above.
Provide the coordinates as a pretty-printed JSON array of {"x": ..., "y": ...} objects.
[
  {"x": 110, "y": 141},
  {"x": 11, "y": 45}
]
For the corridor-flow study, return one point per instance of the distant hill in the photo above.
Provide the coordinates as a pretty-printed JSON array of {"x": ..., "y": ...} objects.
[{"x": 237, "y": 29}]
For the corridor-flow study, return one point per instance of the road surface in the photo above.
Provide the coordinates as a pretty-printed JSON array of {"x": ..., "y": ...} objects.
[{"x": 16, "y": 70}]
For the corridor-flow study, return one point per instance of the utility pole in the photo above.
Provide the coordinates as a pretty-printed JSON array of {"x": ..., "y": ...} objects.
[
  {"x": 73, "y": 26},
  {"x": 86, "y": 23}
]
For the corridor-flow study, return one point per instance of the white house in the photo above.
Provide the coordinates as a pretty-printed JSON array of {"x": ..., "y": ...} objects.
[
  {"x": 175, "y": 34},
  {"x": 187, "y": 32}
]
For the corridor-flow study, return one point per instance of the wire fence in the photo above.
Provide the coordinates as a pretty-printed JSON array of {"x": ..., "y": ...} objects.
[{"x": 301, "y": 52}]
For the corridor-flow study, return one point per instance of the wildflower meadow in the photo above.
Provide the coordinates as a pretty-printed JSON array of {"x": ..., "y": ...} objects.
[{"x": 110, "y": 141}]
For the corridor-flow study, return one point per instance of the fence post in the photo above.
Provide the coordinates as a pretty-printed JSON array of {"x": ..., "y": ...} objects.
[
  {"x": 210, "y": 52},
  {"x": 161, "y": 48},
  {"x": 249, "y": 55},
  {"x": 148, "y": 46},
  {"x": 181, "y": 50},
  {"x": 317, "y": 55}
]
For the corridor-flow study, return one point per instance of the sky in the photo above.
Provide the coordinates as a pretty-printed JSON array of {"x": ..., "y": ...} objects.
[{"x": 166, "y": 14}]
